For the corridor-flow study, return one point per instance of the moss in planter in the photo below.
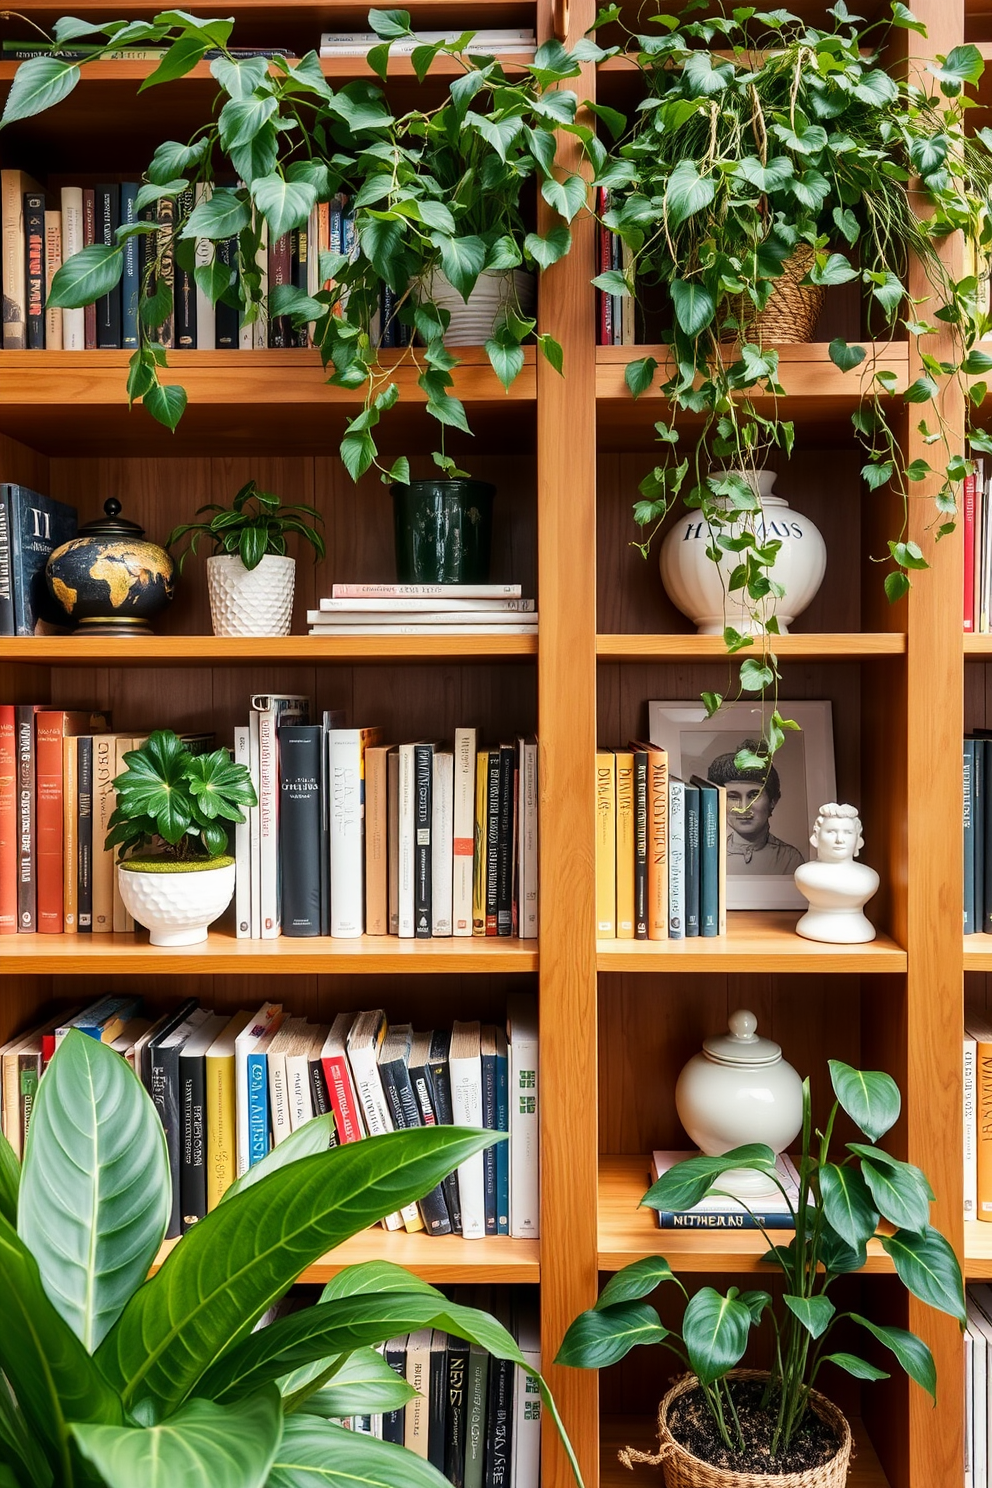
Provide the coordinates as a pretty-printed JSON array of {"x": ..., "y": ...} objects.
[
  {"x": 175, "y": 865},
  {"x": 690, "y": 1422}
]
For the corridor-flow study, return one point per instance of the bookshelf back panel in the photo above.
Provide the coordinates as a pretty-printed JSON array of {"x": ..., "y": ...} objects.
[{"x": 977, "y": 695}]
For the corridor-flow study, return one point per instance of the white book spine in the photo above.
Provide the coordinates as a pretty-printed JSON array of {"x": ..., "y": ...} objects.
[
  {"x": 73, "y": 326},
  {"x": 347, "y": 836},
  {"x": 466, "y": 1110},
  {"x": 472, "y": 628},
  {"x": 525, "y": 1456},
  {"x": 463, "y": 830},
  {"x": 278, "y": 1098},
  {"x": 969, "y": 1403},
  {"x": 407, "y": 840},
  {"x": 260, "y": 329},
  {"x": 368, "y": 1088},
  {"x": 206, "y": 312},
  {"x": 350, "y": 614},
  {"x": 676, "y": 860},
  {"x": 53, "y": 262},
  {"x": 528, "y": 911},
  {"x": 242, "y": 844},
  {"x": 970, "y": 1130},
  {"x": 254, "y": 833},
  {"x": 425, "y": 591},
  {"x": 383, "y": 605},
  {"x": 268, "y": 825},
  {"x": 981, "y": 1430},
  {"x": 442, "y": 803},
  {"x": 298, "y": 1083},
  {"x": 525, "y": 1137}
]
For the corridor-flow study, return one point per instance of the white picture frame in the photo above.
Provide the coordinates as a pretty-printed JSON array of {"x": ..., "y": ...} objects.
[{"x": 805, "y": 773}]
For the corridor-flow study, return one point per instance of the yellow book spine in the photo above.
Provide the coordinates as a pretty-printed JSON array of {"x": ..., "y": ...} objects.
[
  {"x": 606, "y": 846},
  {"x": 221, "y": 1118},
  {"x": 479, "y": 856},
  {"x": 70, "y": 850},
  {"x": 983, "y": 1092},
  {"x": 104, "y": 802},
  {"x": 625, "y": 845}
]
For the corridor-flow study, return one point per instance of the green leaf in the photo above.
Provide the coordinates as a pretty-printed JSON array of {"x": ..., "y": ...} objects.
[
  {"x": 462, "y": 260},
  {"x": 363, "y": 1385},
  {"x": 878, "y": 474},
  {"x": 221, "y": 215},
  {"x": 839, "y": 1258},
  {"x": 202, "y": 1446},
  {"x": 976, "y": 362},
  {"x": 166, "y": 404},
  {"x": 612, "y": 281},
  {"x": 313, "y": 1136},
  {"x": 221, "y": 1275},
  {"x": 923, "y": 390},
  {"x": 152, "y": 784},
  {"x": 603, "y": 1336},
  {"x": 694, "y": 305},
  {"x": 896, "y": 586},
  {"x": 835, "y": 270},
  {"x": 283, "y": 204},
  {"x": 242, "y": 119},
  {"x": 39, "y": 83},
  {"x": 870, "y": 1097},
  {"x": 87, "y": 275},
  {"x": 963, "y": 64},
  {"x": 219, "y": 786},
  {"x": 373, "y": 1278},
  {"x": 552, "y": 352},
  {"x": 357, "y": 453},
  {"x": 10, "y": 1178},
  {"x": 95, "y": 1190},
  {"x": 315, "y": 1454},
  {"x": 715, "y": 1332},
  {"x": 847, "y": 1204},
  {"x": 635, "y": 1281},
  {"x": 912, "y": 1352},
  {"x": 813, "y": 1312},
  {"x": 639, "y": 375},
  {"x": 860, "y": 1368},
  {"x": 928, "y": 1267},
  {"x": 687, "y": 192},
  {"x": 898, "y": 1194},
  {"x": 180, "y": 59},
  {"x": 507, "y": 360},
  {"x": 845, "y": 357},
  {"x": 688, "y": 1182},
  {"x": 390, "y": 24},
  {"x": 549, "y": 249},
  {"x": 566, "y": 197},
  {"x": 778, "y": 172},
  {"x": 239, "y": 79}
]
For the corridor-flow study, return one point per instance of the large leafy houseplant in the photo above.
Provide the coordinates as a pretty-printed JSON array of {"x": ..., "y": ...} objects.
[
  {"x": 842, "y": 1198},
  {"x": 186, "y": 803},
  {"x": 437, "y": 190},
  {"x": 109, "y": 1378}
]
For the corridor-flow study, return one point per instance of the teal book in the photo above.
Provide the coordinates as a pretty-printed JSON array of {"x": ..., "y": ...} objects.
[
  {"x": 503, "y": 1125},
  {"x": 709, "y": 857},
  {"x": 691, "y": 860}
]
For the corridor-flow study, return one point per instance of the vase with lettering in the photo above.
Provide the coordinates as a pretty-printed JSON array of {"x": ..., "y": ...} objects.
[{"x": 700, "y": 588}]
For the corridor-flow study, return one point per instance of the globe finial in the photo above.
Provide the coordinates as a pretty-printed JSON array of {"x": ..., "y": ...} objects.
[{"x": 112, "y": 507}]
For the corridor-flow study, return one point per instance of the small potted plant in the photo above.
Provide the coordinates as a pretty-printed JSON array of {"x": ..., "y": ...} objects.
[
  {"x": 750, "y": 1428},
  {"x": 250, "y": 578},
  {"x": 184, "y": 802}
]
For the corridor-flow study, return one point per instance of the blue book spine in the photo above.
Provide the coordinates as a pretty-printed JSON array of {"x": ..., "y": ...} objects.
[
  {"x": 709, "y": 863},
  {"x": 258, "y": 1108},
  {"x": 969, "y": 838},
  {"x": 489, "y": 1122},
  {"x": 503, "y": 1149},
  {"x": 131, "y": 277},
  {"x": 7, "y": 625},
  {"x": 691, "y": 860},
  {"x": 979, "y": 793}
]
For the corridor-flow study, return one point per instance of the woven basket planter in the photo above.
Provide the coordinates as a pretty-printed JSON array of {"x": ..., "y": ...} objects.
[
  {"x": 792, "y": 310},
  {"x": 681, "y": 1469}
]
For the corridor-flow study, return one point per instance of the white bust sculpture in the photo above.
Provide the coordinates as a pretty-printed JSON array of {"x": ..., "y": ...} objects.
[{"x": 836, "y": 887}]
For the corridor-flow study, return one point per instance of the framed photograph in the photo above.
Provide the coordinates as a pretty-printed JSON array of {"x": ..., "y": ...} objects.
[{"x": 767, "y": 830}]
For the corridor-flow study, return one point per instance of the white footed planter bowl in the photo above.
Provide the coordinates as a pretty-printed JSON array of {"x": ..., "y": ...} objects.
[
  {"x": 176, "y": 908},
  {"x": 251, "y": 601},
  {"x": 472, "y": 324},
  {"x": 693, "y": 582}
]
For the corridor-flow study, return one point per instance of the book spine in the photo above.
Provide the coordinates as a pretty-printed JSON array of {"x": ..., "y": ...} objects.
[
  {"x": 418, "y": 1363},
  {"x": 192, "y": 1168},
  {"x": 184, "y": 290},
  {"x": 456, "y": 1362},
  {"x": 8, "y": 821},
  {"x": 255, "y": 830},
  {"x": 89, "y": 239},
  {"x": 405, "y": 1112},
  {"x": 108, "y": 306},
  {"x": 423, "y": 773},
  {"x": 709, "y": 857},
  {"x": 372, "y": 1102},
  {"x": 344, "y": 1101},
  {"x": 686, "y": 1219},
  {"x": 347, "y": 811},
  {"x": 969, "y": 499},
  {"x": 442, "y": 807},
  {"x": 203, "y": 258},
  {"x": 504, "y": 842},
  {"x": 525, "y": 1136},
  {"x": 84, "y": 834},
  {"x": 70, "y": 836},
  {"x": 978, "y": 810},
  {"x": 970, "y": 1130},
  {"x": 53, "y": 262},
  {"x": 268, "y": 825},
  {"x": 165, "y": 248},
  {"x": 48, "y": 829},
  {"x": 624, "y": 845},
  {"x": 257, "y": 1080},
  {"x": 325, "y": 827},
  {"x": 12, "y": 188},
  {"x": 280, "y": 273},
  {"x": 460, "y": 592},
  {"x": 299, "y": 828},
  {"x": 499, "y": 1423},
  {"x": 441, "y": 1091},
  {"x": 227, "y": 332},
  {"x": 319, "y": 1095},
  {"x": 407, "y": 841},
  {"x": 479, "y": 844},
  {"x": 130, "y": 287},
  {"x": 394, "y": 1422},
  {"x": 525, "y": 1455},
  {"x": 278, "y": 1097},
  {"x": 502, "y": 1125},
  {"x": 437, "y": 1397},
  {"x": 466, "y": 1106},
  {"x": 676, "y": 860},
  {"x": 222, "y": 1116},
  {"x": 300, "y": 274},
  {"x": 164, "y": 1091},
  {"x": 34, "y": 269},
  {"x": 104, "y": 801},
  {"x": 657, "y": 845},
  {"x": 260, "y": 329},
  {"x": 8, "y": 626},
  {"x": 492, "y": 841},
  {"x": 27, "y": 890},
  {"x": 641, "y": 845},
  {"x": 376, "y": 845},
  {"x": 476, "y": 1400},
  {"x": 393, "y": 839},
  {"x": 73, "y": 321},
  {"x": 606, "y": 845},
  {"x": 983, "y": 1088},
  {"x": 530, "y": 897},
  {"x": 489, "y": 1122},
  {"x": 691, "y": 860},
  {"x": 242, "y": 846}
]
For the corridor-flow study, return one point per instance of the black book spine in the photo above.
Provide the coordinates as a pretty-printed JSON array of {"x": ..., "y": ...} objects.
[
  {"x": 321, "y": 1097},
  {"x": 492, "y": 842},
  {"x": 84, "y": 835},
  {"x": 404, "y": 1110},
  {"x": 423, "y": 772},
  {"x": 299, "y": 828},
  {"x": 437, "y": 1394},
  {"x": 393, "y": 1422},
  {"x": 454, "y": 1420},
  {"x": 300, "y": 250},
  {"x": 108, "y": 306},
  {"x": 504, "y": 859},
  {"x": 164, "y": 1090},
  {"x": 185, "y": 290},
  {"x": 441, "y": 1092},
  {"x": 227, "y": 331},
  {"x": 641, "y": 845},
  {"x": 499, "y": 1424},
  {"x": 490, "y": 1123},
  {"x": 8, "y": 625},
  {"x": 193, "y": 1131},
  {"x": 34, "y": 284},
  {"x": 27, "y": 885}
]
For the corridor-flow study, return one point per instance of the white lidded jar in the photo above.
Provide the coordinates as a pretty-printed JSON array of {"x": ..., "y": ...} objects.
[
  {"x": 693, "y": 581},
  {"x": 738, "y": 1090}
]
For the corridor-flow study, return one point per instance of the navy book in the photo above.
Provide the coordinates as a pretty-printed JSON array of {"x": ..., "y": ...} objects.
[{"x": 36, "y": 526}]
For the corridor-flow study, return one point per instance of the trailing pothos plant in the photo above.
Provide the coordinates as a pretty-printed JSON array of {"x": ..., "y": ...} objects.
[
  {"x": 842, "y": 1197},
  {"x": 440, "y": 190},
  {"x": 761, "y": 138},
  {"x": 108, "y": 1377}
]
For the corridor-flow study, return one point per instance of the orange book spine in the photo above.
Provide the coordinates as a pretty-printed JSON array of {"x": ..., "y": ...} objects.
[
  {"x": 50, "y": 729},
  {"x": 657, "y": 845},
  {"x": 8, "y": 822},
  {"x": 983, "y": 1091}
]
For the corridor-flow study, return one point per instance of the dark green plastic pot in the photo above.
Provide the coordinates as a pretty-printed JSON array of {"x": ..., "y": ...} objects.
[{"x": 444, "y": 531}]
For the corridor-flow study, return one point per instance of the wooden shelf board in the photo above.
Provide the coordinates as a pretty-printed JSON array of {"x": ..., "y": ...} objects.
[
  {"x": 132, "y": 954},
  {"x": 977, "y": 1250},
  {"x": 185, "y": 651},
  {"x": 616, "y": 1432},
  {"x": 338, "y": 68},
  {"x": 703, "y": 647},
  {"x": 759, "y": 940},
  {"x": 629, "y": 1233},
  {"x": 434, "y": 1258},
  {"x": 978, "y": 645},
  {"x": 978, "y": 953}
]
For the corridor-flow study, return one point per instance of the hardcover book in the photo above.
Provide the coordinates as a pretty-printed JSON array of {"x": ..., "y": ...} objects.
[
  {"x": 299, "y": 827},
  {"x": 36, "y": 525},
  {"x": 721, "y": 1213},
  {"x": 34, "y": 241}
]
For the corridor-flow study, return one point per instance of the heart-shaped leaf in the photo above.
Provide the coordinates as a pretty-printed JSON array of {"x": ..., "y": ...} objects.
[
  {"x": 813, "y": 1312},
  {"x": 87, "y": 275},
  {"x": 283, "y": 204},
  {"x": 637, "y": 1280},
  {"x": 870, "y": 1097},
  {"x": 602, "y": 1337},
  {"x": 715, "y": 1332}
]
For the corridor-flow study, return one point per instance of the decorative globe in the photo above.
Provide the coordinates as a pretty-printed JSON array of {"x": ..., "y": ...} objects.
[{"x": 108, "y": 579}]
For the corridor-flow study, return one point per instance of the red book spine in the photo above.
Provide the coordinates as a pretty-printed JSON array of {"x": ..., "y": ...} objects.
[
  {"x": 8, "y": 822},
  {"x": 343, "y": 1101},
  {"x": 89, "y": 238},
  {"x": 49, "y": 728},
  {"x": 280, "y": 272},
  {"x": 970, "y": 489}
]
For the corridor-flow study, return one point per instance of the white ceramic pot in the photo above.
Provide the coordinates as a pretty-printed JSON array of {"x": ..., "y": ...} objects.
[
  {"x": 176, "y": 908},
  {"x": 251, "y": 601},
  {"x": 693, "y": 581},
  {"x": 739, "y": 1089},
  {"x": 472, "y": 324}
]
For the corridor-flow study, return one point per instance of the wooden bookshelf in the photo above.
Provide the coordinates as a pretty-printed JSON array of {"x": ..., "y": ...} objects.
[
  {"x": 978, "y": 1251},
  {"x": 766, "y": 934},
  {"x": 306, "y": 650},
  {"x": 691, "y": 648}
]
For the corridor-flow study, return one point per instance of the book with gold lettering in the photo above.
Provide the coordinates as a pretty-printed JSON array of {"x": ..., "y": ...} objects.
[
  {"x": 719, "y": 1213},
  {"x": 606, "y": 845}
]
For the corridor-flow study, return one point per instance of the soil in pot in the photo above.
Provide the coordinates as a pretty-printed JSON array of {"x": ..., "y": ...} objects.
[{"x": 690, "y": 1422}]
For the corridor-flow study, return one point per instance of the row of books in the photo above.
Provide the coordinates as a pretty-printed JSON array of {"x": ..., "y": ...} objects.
[
  {"x": 475, "y": 1418},
  {"x": 32, "y": 526},
  {"x": 424, "y": 609},
  {"x": 353, "y": 836},
  {"x": 977, "y": 781},
  {"x": 24, "y": 48},
  {"x": 978, "y": 1388},
  {"x": 661, "y": 849},
  {"x": 976, "y": 524},
  {"x": 507, "y": 41},
  {"x": 614, "y": 312},
  {"x": 230, "y": 1088}
]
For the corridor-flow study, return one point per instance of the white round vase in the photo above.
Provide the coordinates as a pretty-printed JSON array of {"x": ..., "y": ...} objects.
[
  {"x": 693, "y": 582},
  {"x": 738, "y": 1090},
  {"x": 176, "y": 908},
  {"x": 472, "y": 323},
  {"x": 251, "y": 601}
]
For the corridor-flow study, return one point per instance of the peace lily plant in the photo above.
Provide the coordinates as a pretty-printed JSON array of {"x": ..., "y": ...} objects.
[{"x": 114, "y": 1379}]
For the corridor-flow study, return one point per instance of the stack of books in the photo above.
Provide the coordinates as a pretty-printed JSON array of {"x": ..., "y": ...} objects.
[
  {"x": 229, "y": 1089},
  {"x": 720, "y": 1213},
  {"x": 978, "y": 1388},
  {"x": 424, "y": 609},
  {"x": 977, "y": 529},
  {"x": 32, "y": 526},
  {"x": 661, "y": 849},
  {"x": 977, "y": 779},
  {"x": 505, "y": 41}
]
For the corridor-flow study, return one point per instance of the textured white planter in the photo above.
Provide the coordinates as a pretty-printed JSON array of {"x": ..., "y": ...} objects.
[
  {"x": 693, "y": 582},
  {"x": 472, "y": 323},
  {"x": 251, "y": 601},
  {"x": 176, "y": 908}
]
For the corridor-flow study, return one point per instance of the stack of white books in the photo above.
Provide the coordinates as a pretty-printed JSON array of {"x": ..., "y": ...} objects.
[
  {"x": 424, "y": 609},
  {"x": 502, "y": 40}
]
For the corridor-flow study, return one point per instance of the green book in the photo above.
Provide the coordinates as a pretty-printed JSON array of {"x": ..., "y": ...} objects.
[
  {"x": 709, "y": 857},
  {"x": 476, "y": 1392}
]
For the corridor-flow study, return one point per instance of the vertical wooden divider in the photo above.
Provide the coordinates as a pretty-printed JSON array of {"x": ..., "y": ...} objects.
[{"x": 566, "y": 509}]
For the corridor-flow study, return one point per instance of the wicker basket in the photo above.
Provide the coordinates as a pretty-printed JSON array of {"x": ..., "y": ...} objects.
[
  {"x": 792, "y": 310},
  {"x": 682, "y": 1470}
]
